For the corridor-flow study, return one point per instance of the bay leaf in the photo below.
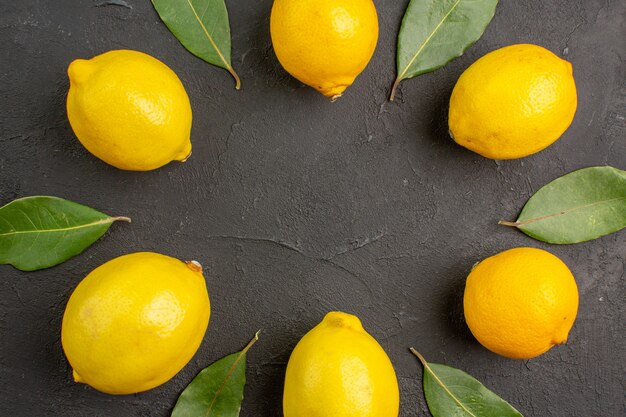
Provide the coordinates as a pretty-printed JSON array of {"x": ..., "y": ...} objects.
[
  {"x": 434, "y": 32},
  {"x": 451, "y": 392},
  {"x": 39, "y": 232},
  {"x": 202, "y": 27},
  {"x": 577, "y": 207},
  {"x": 217, "y": 391}
]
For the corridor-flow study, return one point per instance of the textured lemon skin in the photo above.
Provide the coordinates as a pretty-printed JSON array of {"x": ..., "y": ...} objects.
[
  {"x": 325, "y": 44},
  {"x": 521, "y": 302},
  {"x": 134, "y": 322},
  {"x": 513, "y": 102},
  {"x": 339, "y": 370},
  {"x": 129, "y": 109}
]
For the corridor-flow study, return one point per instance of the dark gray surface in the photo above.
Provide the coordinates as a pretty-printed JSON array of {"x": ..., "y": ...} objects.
[{"x": 296, "y": 206}]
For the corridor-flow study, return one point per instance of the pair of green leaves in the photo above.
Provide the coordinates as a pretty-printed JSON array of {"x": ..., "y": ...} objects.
[
  {"x": 577, "y": 207},
  {"x": 40, "y": 232},
  {"x": 434, "y": 32},
  {"x": 217, "y": 391},
  {"x": 451, "y": 392},
  {"x": 202, "y": 27}
]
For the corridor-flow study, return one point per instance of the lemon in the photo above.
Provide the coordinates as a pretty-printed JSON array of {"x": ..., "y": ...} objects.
[
  {"x": 130, "y": 110},
  {"x": 324, "y": 43},
  {"x": 339, "y": 370},
  {"x": 521, "y": 302},
  {"x": 513, "y": 102},
  {"x": 134, "y": 322}
]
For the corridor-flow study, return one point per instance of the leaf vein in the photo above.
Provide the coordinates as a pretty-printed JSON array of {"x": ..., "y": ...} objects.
[
  {"x": 230, "y": 372},
  {"x": 65, "y": 229},
  {"x": 440, "y": 382},
  {"x": 27, "y": 217},
  {"x": 421, "y": 48},
  {"x": 560, "y": 213},
  {"x": 209, "y": 37}
]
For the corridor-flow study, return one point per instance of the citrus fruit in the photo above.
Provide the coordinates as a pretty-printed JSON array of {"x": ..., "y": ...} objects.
[
  {"x": 339, "y": 370},
  {"x": 134, "y": 322},
  {"x": 129, "y": 109},
  {"x": 325, "y": 43},
  {"x": 513, "y": 102},
  {"x": 521, "y": 302}
]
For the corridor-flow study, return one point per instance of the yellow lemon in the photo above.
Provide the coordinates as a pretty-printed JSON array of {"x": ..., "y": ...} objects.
[
  {"x": 130, "y": 110},
  {"x": 513, "y": 102},
  {"x": 134, "y": 322},
  {"x": 324, "y": 43},
  {"x": 339, "y": 370},
  {"x": 521, "y": 302}
]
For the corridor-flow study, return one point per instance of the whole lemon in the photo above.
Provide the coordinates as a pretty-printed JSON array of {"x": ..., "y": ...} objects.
[
  {"x": 324, "y": 43},
  {"x": 130, "y": 110},
  {"x": 521, "y": 302},
  {"x": 513, "y": 102},
  {"x": 339, "y": 370},
  {"x": 134, "y": 322}
]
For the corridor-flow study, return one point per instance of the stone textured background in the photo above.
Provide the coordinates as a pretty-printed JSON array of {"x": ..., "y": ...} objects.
[{"x": 296, "y": 206}]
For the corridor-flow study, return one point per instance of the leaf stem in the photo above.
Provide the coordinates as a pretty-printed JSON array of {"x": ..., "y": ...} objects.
[
  {"x": 440, "y": 382},
  {"x": 394, "y": 87},
  {"x": 121, "y": 219},
  {"x": 219, "y": 53},
  {"x": 232, "y": 369},
  {"x": 419, "y": 356},
  {"x": 251, "y": 342},
  {"x": 236, "y": 77},
  {"x": 507, "y": 223}
]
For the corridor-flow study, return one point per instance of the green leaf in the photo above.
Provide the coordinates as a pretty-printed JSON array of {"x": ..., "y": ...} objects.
[
  {"x": 217, "y": 391},
  {"x": 451, "y": 392},
  {"x": 434, "y": 32},
  {"x": 202, "y": 27},
  {"x": 40, "y": 232},
  {"x": 580, "y": 206}
]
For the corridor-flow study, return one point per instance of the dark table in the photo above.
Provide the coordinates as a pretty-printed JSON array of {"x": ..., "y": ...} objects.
[{"x": 296, "y": 206}]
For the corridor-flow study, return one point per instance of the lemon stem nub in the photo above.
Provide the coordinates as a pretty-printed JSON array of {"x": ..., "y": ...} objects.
[
  {"x": 194, "y": 266},
  {"x": 186, "y": 157}
]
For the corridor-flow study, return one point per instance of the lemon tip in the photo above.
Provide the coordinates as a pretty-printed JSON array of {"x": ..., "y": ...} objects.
[
  {"x": 339, "y": 319},
  {"x": 79, "y": 70},
  {"x": 77, "y": 378}
]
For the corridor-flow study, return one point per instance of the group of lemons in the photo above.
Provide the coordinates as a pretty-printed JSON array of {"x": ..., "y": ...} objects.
[{"x": 134, "y": 322}]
